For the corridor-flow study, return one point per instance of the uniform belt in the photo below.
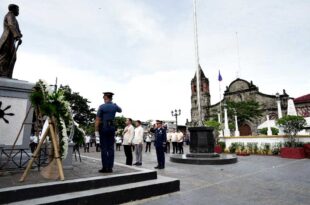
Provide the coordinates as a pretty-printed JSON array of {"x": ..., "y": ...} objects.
[{"x": 108, "y": 123}]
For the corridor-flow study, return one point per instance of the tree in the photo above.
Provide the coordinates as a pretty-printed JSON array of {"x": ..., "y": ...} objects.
[
  {"x": 82, "y": 113},
  {"x": 292, "y": 125},
  {"x": 246, "y": 110},
  {"x": 214, "y": 124},
  {"x": 120, "y": 122}
]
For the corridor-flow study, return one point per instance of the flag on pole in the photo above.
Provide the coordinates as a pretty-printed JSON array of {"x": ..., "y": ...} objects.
[{"x": 220, "y": 76}]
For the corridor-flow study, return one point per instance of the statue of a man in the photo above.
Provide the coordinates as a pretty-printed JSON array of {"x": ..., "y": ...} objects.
[{"x": 11, "y": 35}]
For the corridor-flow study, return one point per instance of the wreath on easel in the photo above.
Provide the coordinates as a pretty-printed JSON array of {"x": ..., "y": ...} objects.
[{"x": 53, "y": 107}]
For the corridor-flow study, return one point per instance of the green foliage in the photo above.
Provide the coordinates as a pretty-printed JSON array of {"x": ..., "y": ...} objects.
[
  {"x": 222, "y": 144},
  {"x": 246, "y": 110},
  {"x": 264, "y": 131},
  {"x": 120, "y": 122},
  {"x": 292, "y": 125},
  {"x": 212, "y": 123},
  {"x": 81, "y": 111},
  {"x": 55, "y": 107}
]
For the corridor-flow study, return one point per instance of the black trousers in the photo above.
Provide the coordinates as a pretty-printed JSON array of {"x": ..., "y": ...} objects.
[
  {"x": 175, "y": 147},
  {"x": 180, "y": 146},
  {"x": 148, "y": 146},
  {"x": 168, "y": 147},
  {"x": 86, "y": 147},
  {"x": 160, "y": 153},
  {"x": 128, "y": 154}
]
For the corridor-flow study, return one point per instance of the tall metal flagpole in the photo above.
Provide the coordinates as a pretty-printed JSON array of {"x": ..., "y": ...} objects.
[{"x": 198, "y": 87}]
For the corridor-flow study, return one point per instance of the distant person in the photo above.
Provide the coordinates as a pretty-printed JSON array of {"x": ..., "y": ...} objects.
[
  {"x": 148, "y": 141},
  {"x": 169, "y": 136},
  {"x": 180, "y": 137},
  {"x": 160, "y": 144},
  {"x": 138, "y": 142},
  {"x": 33, "y": 142},
  {"x": 97, "y": 144},
  {"x": 128, "y": 135},
  {"x": 174, "y": 140},
  {"x": 118, "y": 142},
  {"x": 86, "y": 143},
  {"x": 105, "y": 128}
]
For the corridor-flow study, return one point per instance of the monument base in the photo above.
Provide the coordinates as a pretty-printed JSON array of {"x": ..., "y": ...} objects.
[
  {"x": 201, "y": 149},
  {"x": 199, "y": 160}
]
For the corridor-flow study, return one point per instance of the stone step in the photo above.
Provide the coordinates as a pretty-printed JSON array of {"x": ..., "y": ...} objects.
[
  {"x": 13, "y": 194},
  {"x": 112, "y": 194}
]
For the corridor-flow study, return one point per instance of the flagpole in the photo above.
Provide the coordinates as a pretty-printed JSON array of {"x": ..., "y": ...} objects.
[{"x": 198, "y": 87}]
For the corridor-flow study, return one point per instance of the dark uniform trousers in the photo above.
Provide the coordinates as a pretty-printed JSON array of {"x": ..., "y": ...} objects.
[
  {"x": 107, "y": 135},
  {"x": 160, "y": 153},
  {"x": 128, "y": 153}
]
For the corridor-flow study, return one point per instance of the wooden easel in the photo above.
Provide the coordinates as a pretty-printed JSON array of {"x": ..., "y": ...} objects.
[{"x": 50, "y": 131}]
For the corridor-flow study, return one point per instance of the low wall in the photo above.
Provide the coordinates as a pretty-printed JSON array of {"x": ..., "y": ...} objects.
[{"x": 263, "y": 139}]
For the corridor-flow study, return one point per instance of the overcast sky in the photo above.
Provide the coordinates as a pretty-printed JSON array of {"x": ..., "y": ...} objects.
[{"x": 143, "y": 50}]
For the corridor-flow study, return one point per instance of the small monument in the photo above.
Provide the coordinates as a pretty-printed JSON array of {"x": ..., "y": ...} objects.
[{"x": 291, "y": 110}]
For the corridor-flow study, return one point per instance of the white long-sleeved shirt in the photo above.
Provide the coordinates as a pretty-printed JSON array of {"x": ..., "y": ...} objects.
[
  {"x": 169, "y": 136},
  {"x": 129, "y": 133},
  {"x": 138, "y": 138},
  {"x": 174, "y": 137},
  {"x": 180, "y": 136}
]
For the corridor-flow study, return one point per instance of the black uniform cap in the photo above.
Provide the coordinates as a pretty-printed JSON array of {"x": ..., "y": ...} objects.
[
  {"x": 108, "y": 94},
  {"x": 159, "y": 121}
]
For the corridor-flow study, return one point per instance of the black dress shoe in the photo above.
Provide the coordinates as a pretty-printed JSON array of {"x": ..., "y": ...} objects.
[
  {"x": 161, "y": 167},
  {"x": 139, "y": 164},
  {"x": 136, "y": 163},
  {"x": 109, "y": 170},
  {"x": 103, "y": 170},
  {"x": 157, "y": 167}
]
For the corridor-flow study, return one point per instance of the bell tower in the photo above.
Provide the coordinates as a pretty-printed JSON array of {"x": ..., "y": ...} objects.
[{"x": 204, "y": 97}]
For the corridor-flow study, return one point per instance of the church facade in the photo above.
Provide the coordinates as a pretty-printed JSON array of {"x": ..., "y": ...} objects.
[{"x": 241, "y": 90}]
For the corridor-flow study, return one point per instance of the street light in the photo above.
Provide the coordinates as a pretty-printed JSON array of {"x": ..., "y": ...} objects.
[{"x": 176, "y": 113}]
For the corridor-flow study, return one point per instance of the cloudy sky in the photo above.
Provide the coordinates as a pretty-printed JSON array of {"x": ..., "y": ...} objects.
[{"x": 143, "y": 50}]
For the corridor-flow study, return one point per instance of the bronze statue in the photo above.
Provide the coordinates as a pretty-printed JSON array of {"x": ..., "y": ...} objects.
[{"x": 11, "y": 35}]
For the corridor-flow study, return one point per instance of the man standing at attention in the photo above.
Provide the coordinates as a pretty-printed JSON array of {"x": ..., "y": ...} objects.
[
  {"x": 174, "y": 140},
  {"x": 128, "y": 135},
  {"x": 105, "y": 129},
  {"x": 138, "y": 142},
  {"x": 160, "y": 144}
]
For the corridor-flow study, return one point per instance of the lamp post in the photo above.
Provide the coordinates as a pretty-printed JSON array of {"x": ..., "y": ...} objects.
[
  {"x": 226, "y": 129},
  {"x": 176, "y": 113},
  {"x": 237, "y": 133}
]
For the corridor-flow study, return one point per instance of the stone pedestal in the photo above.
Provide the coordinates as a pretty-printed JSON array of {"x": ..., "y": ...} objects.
[
  {"x": 14, "y": 100},
  {"x": 202, "y": 140},
  {"x": 67, "y": 163},
  {"x": 202, "y": 143}
]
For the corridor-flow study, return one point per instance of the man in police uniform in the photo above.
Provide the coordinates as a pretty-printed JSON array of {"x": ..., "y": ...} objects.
[
  {"x": 160, "y": 144},
  {"x": 105, "y": 128}
]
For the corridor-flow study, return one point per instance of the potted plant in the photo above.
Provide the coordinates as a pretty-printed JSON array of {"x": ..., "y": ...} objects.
[{"x": 292, "y": 125}]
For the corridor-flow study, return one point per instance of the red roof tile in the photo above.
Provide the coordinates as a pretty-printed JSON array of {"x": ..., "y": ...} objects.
[{"x": 302, "y": 99}]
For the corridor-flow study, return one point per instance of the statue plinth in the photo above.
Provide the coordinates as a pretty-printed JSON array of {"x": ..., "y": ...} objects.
[
  {"x": 202, "y": 140},
  {"x": 14, "y": 100}
]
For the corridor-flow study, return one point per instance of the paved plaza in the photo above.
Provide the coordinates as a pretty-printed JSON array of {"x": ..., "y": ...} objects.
[{"x": 253, "y": 180}]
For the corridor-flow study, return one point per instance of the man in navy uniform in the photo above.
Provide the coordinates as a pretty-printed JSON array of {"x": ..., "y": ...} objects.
[
  {"x": 160, "y": 144},
  {"x": 105, "y": 128}
]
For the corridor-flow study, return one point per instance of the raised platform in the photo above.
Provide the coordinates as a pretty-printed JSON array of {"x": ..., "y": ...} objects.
[
  {"x": 84, "y": 185},
  {"x": 204, "y": 159}
]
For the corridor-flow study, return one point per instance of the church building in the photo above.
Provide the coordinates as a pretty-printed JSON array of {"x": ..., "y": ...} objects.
[{"x": 243, "y": 90}]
